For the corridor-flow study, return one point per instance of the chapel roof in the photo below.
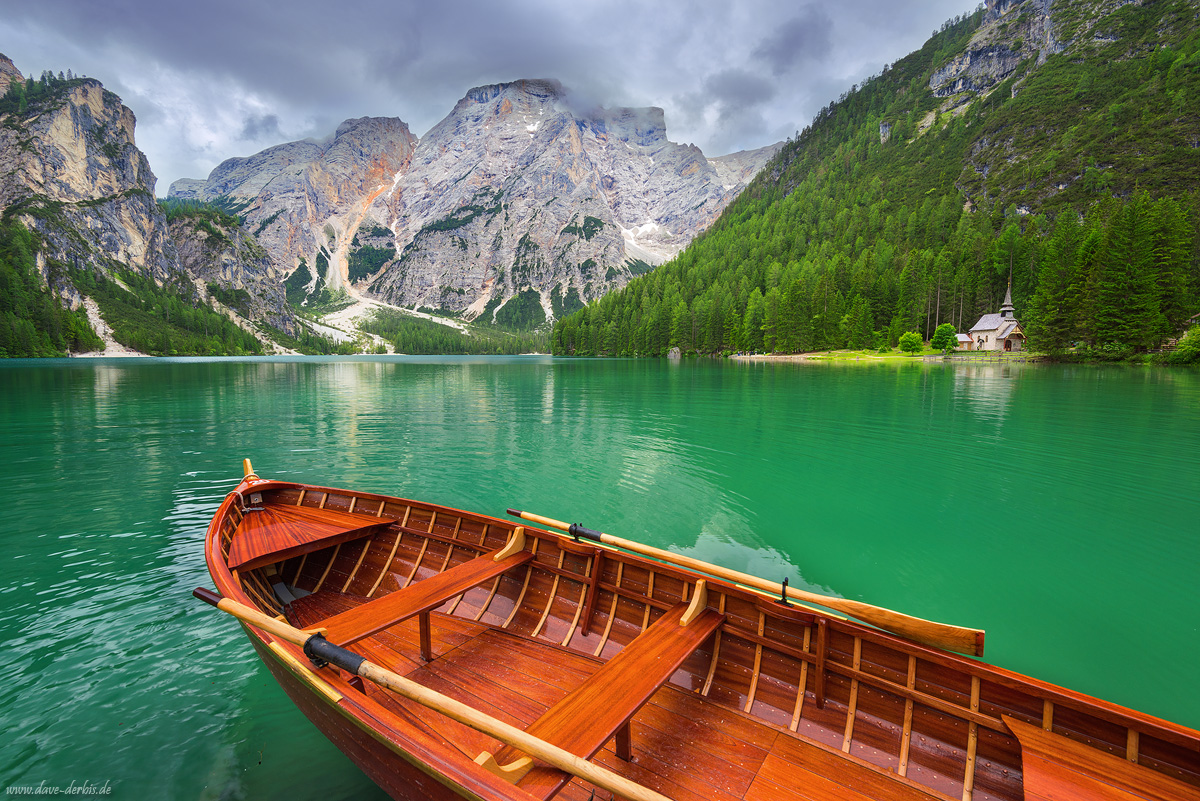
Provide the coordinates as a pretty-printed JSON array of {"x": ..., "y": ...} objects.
[{"x": 988, "y": 322}]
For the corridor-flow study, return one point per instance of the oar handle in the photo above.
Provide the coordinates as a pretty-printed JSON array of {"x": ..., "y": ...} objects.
[{"x": 254, "y": 617}]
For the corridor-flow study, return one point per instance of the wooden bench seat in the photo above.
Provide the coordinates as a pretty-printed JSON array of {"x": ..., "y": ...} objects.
[
  {"x": 1056, "y": 768},
  {"x": 278, "y": 533},
  {"x": 417, "y": 599},
  {"x": 600, "y": 708}
]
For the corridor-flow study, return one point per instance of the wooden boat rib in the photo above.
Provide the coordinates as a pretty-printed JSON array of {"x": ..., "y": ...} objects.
[{"x": 684, "y": 684}]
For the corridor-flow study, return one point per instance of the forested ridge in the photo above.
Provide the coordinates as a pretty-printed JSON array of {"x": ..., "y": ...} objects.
[
  {"x": 897, "y": 210},
  {"x": 415, "y": 335}
]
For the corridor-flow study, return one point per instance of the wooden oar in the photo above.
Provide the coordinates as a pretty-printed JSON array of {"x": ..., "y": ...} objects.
[
  {"x": 317, "y": 647},
  {"x": 951, "y": 638}
]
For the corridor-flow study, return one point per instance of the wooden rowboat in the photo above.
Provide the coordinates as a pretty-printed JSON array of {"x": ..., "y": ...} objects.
[{"x": 466, "y": 656}]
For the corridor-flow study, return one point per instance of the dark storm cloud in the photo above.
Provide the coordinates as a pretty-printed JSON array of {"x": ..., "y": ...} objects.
[
  {"x": 805, "y": 37},
  {"x": 265, "y": 126},
  {"x": 733, "y": 99},
  {"x": 212, "y": 80},
  {"x": 736, "y": 89}
]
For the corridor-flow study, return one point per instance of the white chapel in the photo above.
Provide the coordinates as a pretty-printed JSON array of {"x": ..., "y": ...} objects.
[{"x": 999, "y": 331}]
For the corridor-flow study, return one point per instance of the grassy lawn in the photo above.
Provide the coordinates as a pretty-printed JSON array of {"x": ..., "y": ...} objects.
[{"x": 894, "y": 355}]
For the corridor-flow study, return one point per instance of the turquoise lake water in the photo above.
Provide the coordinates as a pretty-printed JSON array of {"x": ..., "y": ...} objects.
[{"x": 1057, "y": 507}]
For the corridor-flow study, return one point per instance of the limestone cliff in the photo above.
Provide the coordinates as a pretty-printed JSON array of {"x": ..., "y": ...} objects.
[
  {"x": 1012, "y": 32},
  {"x": 230, "y": 268},
  {"x": 69, "y": 169},
  {"x": 8, "y": 73},
  {"x": 71, "y": 172},
  {"x": 304, "y": 201}
]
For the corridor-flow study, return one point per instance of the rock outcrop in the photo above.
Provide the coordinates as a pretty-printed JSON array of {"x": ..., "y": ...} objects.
[
  {"x": 1011, "y": 32},
  {"x": 8, "y": 73},
  {"x": 70, "y": 165},
  {"x": 231, "y": 268},
  {"x": 71, "y": 171},
  {"x": 304, "y": 201},
  {"x": 516, "y": 191}
]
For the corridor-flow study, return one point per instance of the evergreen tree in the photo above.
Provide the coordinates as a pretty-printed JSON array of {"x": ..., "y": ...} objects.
[{"x": 1126, "y": 312}]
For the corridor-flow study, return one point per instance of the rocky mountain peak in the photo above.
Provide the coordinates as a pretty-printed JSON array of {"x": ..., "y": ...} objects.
[
  {"x": 72, "y": 149},
  {"x": 644, "y": 127},
  {"x": 538, "y": 89}
]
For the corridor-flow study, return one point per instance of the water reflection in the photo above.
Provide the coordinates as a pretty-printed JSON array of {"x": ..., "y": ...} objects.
[{"x": 987, "y": 388}]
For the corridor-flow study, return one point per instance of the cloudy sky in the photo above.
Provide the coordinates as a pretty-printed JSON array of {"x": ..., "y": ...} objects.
[{"x": 225, "y": 78}]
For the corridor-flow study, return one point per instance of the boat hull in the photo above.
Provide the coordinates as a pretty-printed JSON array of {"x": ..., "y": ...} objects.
[{"x": 405, "y": 779}]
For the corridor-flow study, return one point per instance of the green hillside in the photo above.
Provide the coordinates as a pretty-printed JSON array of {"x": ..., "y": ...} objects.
[{"x": 897, "y": 209}]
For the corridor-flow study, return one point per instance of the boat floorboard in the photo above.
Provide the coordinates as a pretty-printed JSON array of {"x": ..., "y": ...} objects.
[{"x": 684, "y": 746}]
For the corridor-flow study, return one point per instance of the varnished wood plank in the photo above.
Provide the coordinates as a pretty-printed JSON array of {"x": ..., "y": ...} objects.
[
  {"x": 589, "y": 716},
  {"x": 386, "y": 568},
  {"x": 650, "y": 595},
  {"x": 848, "y": 737},
  {"x": 578, "y": 611},
  {"x": 1045, "y": 781},
  {"x": 758, "y": 652},
  {"x": 847, "y": 770},
  {"x": 495, "y": 666},
  {"x": 732, "y": 723},
  {"x": 417, "y": 562},
  {"x": 1054, "y": 764},
  {"x": 972, "y": 743},
  {"x": 278, "y": 533},
  {"x": 593, "y": 591},
  {"x": 822, "y": 653},
  {"x": 906, "y": 733},
  {"x": 612, "y": 612},
  {"x": 488, "y": 602},
  {"x": 362, "y": 555},
  {"x": 662, "y": 778},
  {"x": 723, "y": 763},
  {"x": 549, "y": 601},
  {"x": 802, "y": 683},
  {"x": 529, "y": 659},
  {"x": 780, "y": 779},
  {"x": 421, "y": 596},
  {"x": 328, "y": 565}
]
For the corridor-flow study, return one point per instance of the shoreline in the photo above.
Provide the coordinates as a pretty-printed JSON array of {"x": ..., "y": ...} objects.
[{"x": 859, "y": 356}]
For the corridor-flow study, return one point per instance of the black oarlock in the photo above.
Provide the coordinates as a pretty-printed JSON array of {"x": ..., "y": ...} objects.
[
  {"x": 783, "y": 599},
  {"x": 578, "y": 531},
  {"x": 322, "y": 652}
]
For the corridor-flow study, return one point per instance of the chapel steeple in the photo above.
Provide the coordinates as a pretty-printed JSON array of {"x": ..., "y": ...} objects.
[{"x": 1007, "y": 310}]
